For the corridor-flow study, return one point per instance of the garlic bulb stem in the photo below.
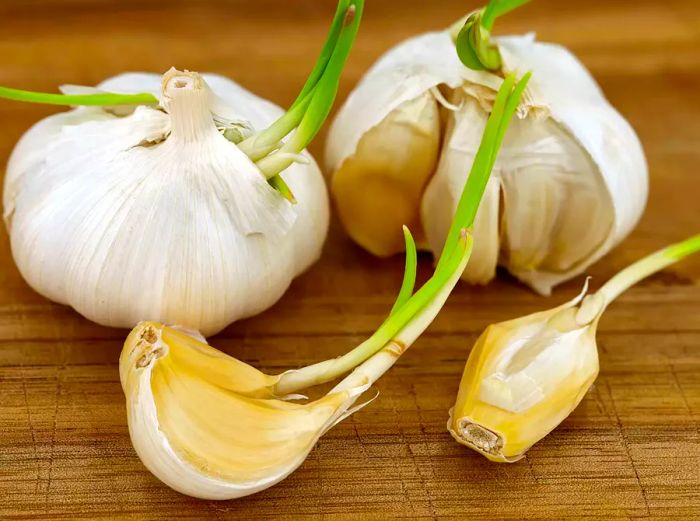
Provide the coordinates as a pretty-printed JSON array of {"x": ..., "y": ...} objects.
[{"x": 187, "y": 101}]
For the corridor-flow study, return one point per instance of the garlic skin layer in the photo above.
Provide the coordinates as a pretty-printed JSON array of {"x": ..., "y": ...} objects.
[
  {"x": 150, "y": 212},
  {"x": 196, "y": 429},
  {"x": 569, "y": 184},
  {"x": 524, "y": 377}
]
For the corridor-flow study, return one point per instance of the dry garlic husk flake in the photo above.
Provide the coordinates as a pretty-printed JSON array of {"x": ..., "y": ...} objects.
[
  {"x": 150, "y": 212},
  {"x": 570, "y": 182}
]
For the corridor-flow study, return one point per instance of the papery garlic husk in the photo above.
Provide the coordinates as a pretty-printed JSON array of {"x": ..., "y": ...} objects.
[
  {"x": 150, "y": 212},
  {"x": 569, "y": 184},
  {"x": 524, "y": 377}
]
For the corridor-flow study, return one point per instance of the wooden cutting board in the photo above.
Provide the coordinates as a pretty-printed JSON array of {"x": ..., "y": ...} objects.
[{"x": 630, "y": 451}]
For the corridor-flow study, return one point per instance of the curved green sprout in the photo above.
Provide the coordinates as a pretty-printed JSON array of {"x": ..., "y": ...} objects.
[
  {"x": 310, "y": 110},
  {"x": 473, "y": 43},
  {"x": 409, "y": 272}
]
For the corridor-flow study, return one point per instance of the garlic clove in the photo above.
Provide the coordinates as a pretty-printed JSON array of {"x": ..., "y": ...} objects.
[
  {"x": 196, "y": 433},
  {"x": 524, "y": 376},
  {"x": 378, "y": 189},
  {"x": 615, "y": 187},
  {"x": 522, "y": 379}
]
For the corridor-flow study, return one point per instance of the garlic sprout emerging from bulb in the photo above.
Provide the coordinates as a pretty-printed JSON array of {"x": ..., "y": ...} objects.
[
  {"x": 570, "y": 183},
  {"x": 525, "y": 376},
  {"x": 151, "y": 212}
]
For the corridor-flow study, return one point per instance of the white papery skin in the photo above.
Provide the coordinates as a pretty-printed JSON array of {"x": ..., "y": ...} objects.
[
  {"x": 570, "y": 181},
  {"x": 153, "y": 214}
]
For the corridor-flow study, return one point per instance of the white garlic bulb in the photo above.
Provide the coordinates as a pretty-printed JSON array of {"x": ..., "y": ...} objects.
[
  {"x": 151, "y": 213},
  {"x": 570, "y": 182}
]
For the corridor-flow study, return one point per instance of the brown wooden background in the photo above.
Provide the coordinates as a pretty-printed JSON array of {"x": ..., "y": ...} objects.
[{"x": 630, "y": 451}]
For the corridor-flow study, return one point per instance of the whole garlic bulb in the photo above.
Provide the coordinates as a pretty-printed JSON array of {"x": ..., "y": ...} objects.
[
  {"x": 151, "y": 213},
  {"x": 570, "y": 182}
]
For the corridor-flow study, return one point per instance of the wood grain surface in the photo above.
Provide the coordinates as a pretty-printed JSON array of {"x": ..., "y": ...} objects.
[{"x": 630, "y": 451}]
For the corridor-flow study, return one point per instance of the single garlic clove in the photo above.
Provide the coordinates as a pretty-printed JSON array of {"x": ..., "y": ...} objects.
[
  {"x": 522, "y": 379},
  {"x": 195, "y": 426},
  {"x": 378, "y": 189}
]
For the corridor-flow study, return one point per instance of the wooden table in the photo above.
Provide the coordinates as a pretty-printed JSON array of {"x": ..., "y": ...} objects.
[{"x": 630, "y": 451}]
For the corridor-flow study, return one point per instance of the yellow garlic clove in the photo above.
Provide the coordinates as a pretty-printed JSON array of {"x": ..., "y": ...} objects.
[
  {"x": 195, "y": 426},
  {"x": 378, "y": 189},
  {"x": 523, "y": 378}
]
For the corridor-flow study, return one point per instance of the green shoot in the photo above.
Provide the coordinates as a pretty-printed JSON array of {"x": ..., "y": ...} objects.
[
  {"x": 409, "y": 274},
  {"x": 322, "y": 96},
  {"x": 99, "y": 99},
  {"x": 497, "y": 8},
  {"x": 504, "y": 108},
  {"x": 473, "y": 44},
  {"x": 262, "y": 143},
  {"x": 310, "y": 110},
  {"x": 337, "y": 24},
  {"x": 648, "y": 266}
]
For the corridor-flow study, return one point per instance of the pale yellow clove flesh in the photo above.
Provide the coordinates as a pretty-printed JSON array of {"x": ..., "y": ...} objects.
[{"x": 378, "y": 189}]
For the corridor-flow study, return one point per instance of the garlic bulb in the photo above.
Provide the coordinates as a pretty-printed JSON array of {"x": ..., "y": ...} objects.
[
  {"x": 570, "y": 183},
  {"x": 525, "y": 376},
  {"x": 150, "y": 212}
]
